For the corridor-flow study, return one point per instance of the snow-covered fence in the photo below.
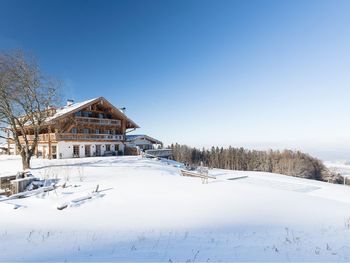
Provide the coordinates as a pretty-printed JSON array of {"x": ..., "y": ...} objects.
[{"x": 202, "y": 174}]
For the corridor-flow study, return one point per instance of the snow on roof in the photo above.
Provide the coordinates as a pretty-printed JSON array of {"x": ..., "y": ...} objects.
[
  {"x": 73, "y": 107},
  {"x": 137, "y": 136},
  {"x": 131, "y": 137},
  {"x": 69, "y": 108}
]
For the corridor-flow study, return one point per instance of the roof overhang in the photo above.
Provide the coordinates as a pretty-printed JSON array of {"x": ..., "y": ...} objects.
[
  {"x": 103, "y": 100},
  {"x": 149, "y": 138}
]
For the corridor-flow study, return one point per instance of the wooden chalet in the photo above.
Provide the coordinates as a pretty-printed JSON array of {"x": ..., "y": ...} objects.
[{"x": 90, "y": 128}]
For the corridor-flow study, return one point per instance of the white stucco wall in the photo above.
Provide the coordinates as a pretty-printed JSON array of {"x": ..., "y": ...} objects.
[
  {"x": 142, "y": 142},
  {"x": 65, "y": 149}
]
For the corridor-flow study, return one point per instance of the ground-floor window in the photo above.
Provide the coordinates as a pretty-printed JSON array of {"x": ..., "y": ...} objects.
[
  {"x": 76, "y": 151},
  {"x": 116, "y": 147},
  {"x": 98, "y": 150},
  {"x": 108, "y": 147},
  {"x": 87, "y": 150},
  {"x": 54, "y": 151}
]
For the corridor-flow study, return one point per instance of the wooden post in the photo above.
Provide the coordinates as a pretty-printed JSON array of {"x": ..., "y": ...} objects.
[
  {"x": 123, "y": 124},
  {"x": 50, "y": 150}
]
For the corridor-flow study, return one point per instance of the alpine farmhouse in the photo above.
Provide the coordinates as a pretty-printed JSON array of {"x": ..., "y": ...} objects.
[{"x": 90, "y": 128}]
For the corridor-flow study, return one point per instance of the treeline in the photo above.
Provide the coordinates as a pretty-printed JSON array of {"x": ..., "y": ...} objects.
[{"x": 293, "y": 163}]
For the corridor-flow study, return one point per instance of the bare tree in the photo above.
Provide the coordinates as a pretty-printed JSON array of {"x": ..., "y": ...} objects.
[{"x": 26, "y": 96}]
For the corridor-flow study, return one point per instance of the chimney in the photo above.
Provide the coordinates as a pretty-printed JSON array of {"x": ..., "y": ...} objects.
[
  {"x": 70, "y": 102},
  {"x": 123, "y": 110}
]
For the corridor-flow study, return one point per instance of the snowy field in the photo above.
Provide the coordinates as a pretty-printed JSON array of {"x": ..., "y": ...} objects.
[{"x": 151, "y": 213}]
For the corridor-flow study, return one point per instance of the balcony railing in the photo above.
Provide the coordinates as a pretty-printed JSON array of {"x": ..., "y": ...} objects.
[
  {"x": 42, "y": 137},
  {"x": 98, "y": 121},
  {"x": 75, "y": 137},
  {"x": 92, "y": 137}
]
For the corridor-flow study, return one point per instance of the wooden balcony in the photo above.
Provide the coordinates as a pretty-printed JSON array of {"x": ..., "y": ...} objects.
[
  {"x": 53, "y": 137},
  {"x": 42, "y": 137},
  {"x": 89, "y": 137},
  {"x": 88, "y": 120}
]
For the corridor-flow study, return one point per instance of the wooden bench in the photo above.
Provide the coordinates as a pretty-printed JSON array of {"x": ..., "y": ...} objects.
[{"x": 203, "y": 175}]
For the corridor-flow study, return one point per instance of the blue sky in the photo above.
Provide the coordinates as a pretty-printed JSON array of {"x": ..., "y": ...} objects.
[{"x": 243, "y": 73}]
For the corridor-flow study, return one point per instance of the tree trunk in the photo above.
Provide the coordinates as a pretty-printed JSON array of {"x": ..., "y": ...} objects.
[{"x": 25, "y": 161}]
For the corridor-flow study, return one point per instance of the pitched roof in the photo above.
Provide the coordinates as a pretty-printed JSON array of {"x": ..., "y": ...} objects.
[
  {"x": 133, "y": 137},
  {"x": 70, "y": 108},
  {"x": 60, "y": 112}
]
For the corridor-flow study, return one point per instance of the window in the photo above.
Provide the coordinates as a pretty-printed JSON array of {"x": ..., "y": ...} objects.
[
  {"x": 87, "y": 150},
  {"x": 78, "y": 114},
  {"x": 98, "y": 150},
  {"x": 97, "y": 131},
  {"x": 74, "y": 130},
  {"x": 116, "y": 147},
  {"x": 85, "y": 130},
  {"x": 108, "y": 147},
  {"x": 107, "y": 132},
  {"x": 53, "y": 149},
  {"x": 75, "y": 150}
]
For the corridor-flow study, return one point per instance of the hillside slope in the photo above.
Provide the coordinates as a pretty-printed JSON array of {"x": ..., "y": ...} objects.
[{"x": 154, "y": 214}]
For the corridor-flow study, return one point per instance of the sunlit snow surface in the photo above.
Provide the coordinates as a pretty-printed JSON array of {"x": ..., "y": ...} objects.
[{"x": 154, "y": 214}]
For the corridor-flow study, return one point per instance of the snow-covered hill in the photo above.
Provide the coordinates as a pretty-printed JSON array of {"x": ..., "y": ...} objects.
[{"x": 154, "y": 214}]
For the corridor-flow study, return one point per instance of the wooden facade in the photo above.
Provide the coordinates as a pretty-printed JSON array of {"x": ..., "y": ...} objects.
[{"x": 95, "y": 125}]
